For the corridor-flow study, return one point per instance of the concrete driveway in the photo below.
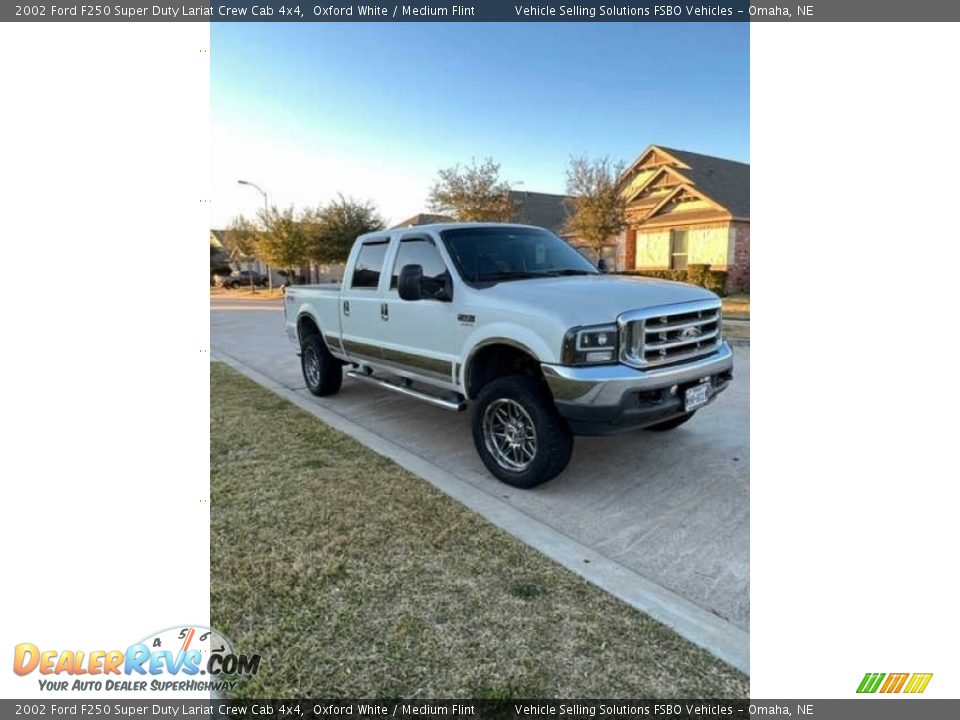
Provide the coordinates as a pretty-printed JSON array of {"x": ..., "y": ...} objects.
[{"x": 673, "y": 507}]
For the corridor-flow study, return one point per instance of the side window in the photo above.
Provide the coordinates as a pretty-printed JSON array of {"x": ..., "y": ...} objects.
[
  {"x": 419, "y": 251},
  {"x": 366, "y": 273}
]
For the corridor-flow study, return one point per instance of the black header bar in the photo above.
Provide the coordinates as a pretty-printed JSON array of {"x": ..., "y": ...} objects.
[{"x": 485, "y": 11}]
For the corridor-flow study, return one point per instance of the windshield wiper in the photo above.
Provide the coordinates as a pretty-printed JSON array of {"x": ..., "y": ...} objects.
[
  {"x": 568, "y": 271},
  {"x": 511, "y": 275},
  {"x": 527, "y": 274}
]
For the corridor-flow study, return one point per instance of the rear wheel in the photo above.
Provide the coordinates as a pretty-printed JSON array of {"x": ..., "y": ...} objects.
[
  {"x": 322, "y": 372},
  {"x": 671, "y": 423},
  {"x": 518, "y": 433}
]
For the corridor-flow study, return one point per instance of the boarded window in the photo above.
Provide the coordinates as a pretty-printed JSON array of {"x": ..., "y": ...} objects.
[
  {"x": 366, "y": 273},
  {"x": 678, "y": 249}
]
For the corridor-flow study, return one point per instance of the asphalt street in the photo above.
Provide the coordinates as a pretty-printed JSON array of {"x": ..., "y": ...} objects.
[{"x": 673, "y": 507}]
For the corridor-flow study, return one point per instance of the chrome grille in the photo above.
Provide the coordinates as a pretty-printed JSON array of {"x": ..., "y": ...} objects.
[{"x": 670, "y": 333}]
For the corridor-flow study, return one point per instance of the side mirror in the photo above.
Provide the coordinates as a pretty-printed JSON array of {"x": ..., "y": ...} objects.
[{"x": 410, "y": 282}]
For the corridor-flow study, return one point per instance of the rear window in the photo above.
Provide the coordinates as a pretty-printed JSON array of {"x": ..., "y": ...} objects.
[{"x": 366, "y": 273}]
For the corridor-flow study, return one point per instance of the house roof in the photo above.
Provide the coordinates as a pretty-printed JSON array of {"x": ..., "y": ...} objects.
[
  {"x": 724, "y": 181},
  {"x": 422, "y": 219},
  {"x": 541, "y": 209}
]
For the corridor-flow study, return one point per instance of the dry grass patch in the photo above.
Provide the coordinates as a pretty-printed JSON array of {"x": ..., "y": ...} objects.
[
  {"x": 737, "y": 306},
  {"x": 354, "y": 578}
]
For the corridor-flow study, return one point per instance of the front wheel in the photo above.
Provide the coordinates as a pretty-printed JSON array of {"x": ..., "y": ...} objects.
[
  {"x": 518, "y": 432},
  {"x": 322, "y": 372}
]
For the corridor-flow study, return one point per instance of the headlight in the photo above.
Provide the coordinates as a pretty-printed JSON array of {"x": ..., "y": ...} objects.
[{"x": 594, "y": 345}]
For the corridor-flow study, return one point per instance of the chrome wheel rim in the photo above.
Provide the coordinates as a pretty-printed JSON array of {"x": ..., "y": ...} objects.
[
  {"x": 311, "y": 367},
  {"x": 509, "y": 434}
]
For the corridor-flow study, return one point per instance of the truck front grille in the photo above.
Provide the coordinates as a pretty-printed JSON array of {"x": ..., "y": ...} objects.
[{"x": 670, "y": 333}]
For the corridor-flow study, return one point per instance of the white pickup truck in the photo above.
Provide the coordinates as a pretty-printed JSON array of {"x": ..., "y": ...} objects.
[{"x": 513, "y": 323}]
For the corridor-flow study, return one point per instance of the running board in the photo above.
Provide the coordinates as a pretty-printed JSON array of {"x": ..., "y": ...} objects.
[{"x": 454, "y": 405}]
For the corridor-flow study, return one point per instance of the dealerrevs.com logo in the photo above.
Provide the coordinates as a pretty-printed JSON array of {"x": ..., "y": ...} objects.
[
  {"x": 183, "y": 658},
  {"x": 894, "y": 683}
]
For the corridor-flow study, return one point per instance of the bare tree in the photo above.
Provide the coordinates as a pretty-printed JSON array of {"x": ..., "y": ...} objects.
[
  {"x": 598, "y": 207},
  {"x": 473, "y": 193}
]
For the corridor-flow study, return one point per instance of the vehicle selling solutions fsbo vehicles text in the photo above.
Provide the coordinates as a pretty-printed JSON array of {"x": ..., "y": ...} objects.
[{"x": 621, "y": 11}]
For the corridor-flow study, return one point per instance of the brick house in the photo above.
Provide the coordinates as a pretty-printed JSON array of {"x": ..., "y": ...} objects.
[{"x": 685, "y": 208}]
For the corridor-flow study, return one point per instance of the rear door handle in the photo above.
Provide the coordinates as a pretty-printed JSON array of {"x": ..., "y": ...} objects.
[
  {"x": 346, "y": 307},
  {"x": 384, "y": 311}
]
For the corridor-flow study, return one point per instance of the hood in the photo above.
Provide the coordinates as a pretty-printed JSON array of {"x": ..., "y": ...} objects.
[{"x": 589, "y": 299}]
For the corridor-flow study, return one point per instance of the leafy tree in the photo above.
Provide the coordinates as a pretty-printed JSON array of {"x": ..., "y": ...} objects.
[
  {"x": 282, "y": 240},
  {"x": 332, "y": 228},
  {"x": 473, "y": 193},
  {"x": 240, "y": 239},
  {"x": 598, "y": 207}
]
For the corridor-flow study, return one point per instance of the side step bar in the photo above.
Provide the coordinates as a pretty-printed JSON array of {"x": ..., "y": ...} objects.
[{"x": 454, "y": 405}]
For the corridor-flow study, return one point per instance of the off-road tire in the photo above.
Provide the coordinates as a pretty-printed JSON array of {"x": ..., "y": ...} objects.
[
  {"x": 671, "y": 423},
  {"x": 322, "y": 372},
  {"x": 554, "y": 441}
]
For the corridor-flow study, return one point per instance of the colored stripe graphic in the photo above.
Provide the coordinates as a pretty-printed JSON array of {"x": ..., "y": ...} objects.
[
  {"x": 918, "y": 682},
  {"x": 870, "y": 682},
  {"x": 894, "y": 682}
]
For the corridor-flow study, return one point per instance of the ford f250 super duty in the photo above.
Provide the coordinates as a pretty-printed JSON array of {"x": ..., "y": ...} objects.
[{"x": 513, "y": 323}]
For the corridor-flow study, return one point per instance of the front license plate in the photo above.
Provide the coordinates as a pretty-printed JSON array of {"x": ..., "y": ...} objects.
[{"x": 696, "y": 396}]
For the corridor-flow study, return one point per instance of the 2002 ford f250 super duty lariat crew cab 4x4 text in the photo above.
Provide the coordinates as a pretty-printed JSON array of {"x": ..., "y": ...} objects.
[{"x": 512, "y": 322}]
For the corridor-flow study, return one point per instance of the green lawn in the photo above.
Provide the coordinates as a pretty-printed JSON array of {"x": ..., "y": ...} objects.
[{"x": 354, "y": 578}]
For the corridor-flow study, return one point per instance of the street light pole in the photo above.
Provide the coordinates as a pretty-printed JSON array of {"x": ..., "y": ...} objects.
[{"x": 266, "y": 215}]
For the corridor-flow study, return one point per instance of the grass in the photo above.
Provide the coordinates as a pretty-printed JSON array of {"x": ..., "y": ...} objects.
[
  {"x": 354, "y": 578},
  {"x": 261, "y": 293},
  {"x": 737, "y": 307}
]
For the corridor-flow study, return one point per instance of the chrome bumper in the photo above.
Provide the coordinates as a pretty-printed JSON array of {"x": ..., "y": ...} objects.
[{"x": 608, "y": 385}]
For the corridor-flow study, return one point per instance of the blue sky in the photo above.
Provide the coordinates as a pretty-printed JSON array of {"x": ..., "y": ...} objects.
[{"x": 374, "y": 110}]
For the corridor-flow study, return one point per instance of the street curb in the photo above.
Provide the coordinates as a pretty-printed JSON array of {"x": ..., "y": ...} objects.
[{"x": 701, "y": 627}]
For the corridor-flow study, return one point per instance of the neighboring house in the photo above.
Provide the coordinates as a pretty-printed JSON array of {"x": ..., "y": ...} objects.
[
  {"x": 685, "y": 208},
  {"x": 541, "y": 209},
  {"x": 236, "y": 262},
  {"x": 423, "y": 219},
  {"x": 532, "y": 208}
]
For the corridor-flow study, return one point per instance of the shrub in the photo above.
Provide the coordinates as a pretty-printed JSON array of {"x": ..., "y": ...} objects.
[
  {"x": 696, "y": 274},
  {"x": 716, "y": 281},
  {"x": 676, "y": 275}
]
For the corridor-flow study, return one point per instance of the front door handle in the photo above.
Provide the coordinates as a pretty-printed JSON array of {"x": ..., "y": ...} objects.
[
  {"x": 384, "y": 311},
  {"x": 346, "y": 307}
]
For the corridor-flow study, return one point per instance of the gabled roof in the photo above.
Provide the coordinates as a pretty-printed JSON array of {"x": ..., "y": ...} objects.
[
  {"x": 541, "y": 209},
  {"x": 725, "y": 181}
]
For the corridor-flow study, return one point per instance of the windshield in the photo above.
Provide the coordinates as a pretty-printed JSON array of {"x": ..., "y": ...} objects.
[{"x": 496, "y": 254}]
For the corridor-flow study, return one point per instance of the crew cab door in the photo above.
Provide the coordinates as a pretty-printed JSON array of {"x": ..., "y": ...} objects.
[
  {"x": 361, "y": 300},
  {"x": 423, "y": 337}
]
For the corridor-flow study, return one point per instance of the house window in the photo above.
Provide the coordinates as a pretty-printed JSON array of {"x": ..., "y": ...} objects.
[{"x": 678, "y": 249}]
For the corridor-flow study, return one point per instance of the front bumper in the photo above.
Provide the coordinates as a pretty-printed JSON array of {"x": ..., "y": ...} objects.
[{"x": 612, "y": 398}]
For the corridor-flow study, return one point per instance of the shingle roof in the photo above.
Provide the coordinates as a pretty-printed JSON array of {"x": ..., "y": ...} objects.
[
  {"x": 422, "y": 219},
  {"x": 726, "y": 181},
  {"x": 541, "y": 209}
]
